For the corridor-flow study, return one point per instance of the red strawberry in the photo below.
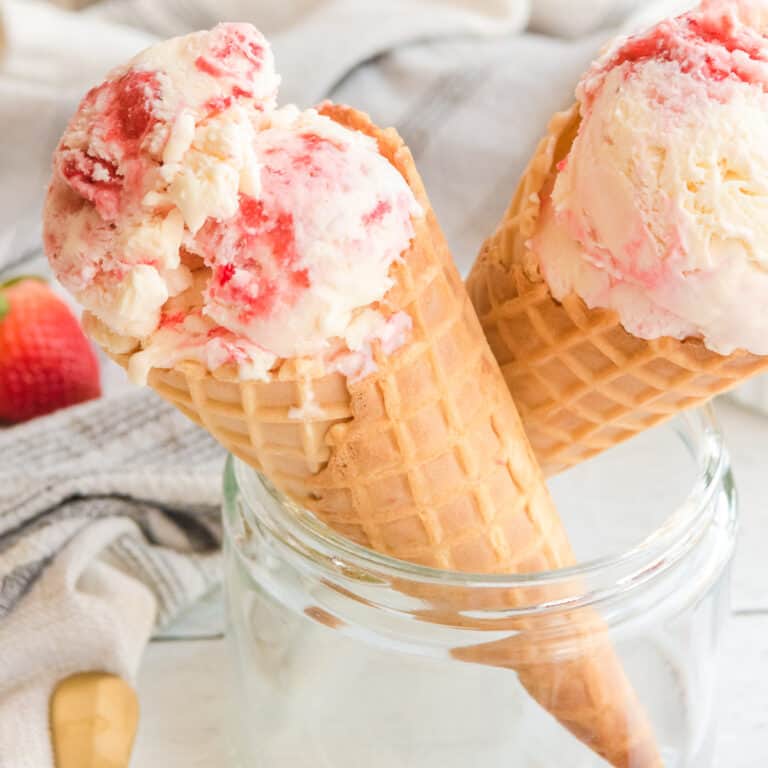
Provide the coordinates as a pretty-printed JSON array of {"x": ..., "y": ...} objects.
[{"x": 46, "y": 362}]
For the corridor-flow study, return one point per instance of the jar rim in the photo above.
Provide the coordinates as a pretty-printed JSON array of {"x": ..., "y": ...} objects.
[{"x": 606, "y": 576}]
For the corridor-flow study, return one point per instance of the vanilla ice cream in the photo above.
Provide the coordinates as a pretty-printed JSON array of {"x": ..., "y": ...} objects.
[
  {"x": 659, "y": 211},
  {"x": 194, "y": 219}
]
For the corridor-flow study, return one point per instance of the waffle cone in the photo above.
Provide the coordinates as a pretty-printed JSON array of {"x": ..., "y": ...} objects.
[
  {"x": 580, "y": 381},
  {"x": 425, "y": 460}
]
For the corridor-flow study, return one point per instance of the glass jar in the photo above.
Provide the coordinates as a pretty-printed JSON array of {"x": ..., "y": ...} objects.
[{"x": 341, "y": 661}]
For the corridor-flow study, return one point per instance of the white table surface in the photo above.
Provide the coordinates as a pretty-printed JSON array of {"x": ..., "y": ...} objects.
[{"x": 182, "y": 684}]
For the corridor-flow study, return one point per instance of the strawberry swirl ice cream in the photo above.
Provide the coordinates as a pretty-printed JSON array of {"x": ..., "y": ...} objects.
[
  {"x": 194, "y": 219},
  {"x": 659, "y": 210}
]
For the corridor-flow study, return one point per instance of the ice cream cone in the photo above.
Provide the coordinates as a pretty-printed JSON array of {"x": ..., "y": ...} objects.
[
  {"x": 425, "y": 460},
  {"x": 581, "y": 382}
]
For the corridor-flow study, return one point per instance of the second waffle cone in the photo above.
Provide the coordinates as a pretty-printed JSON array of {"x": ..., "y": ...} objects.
[
  {"x": 580, "y": 381},
  {"x": 426, "y": 460}
]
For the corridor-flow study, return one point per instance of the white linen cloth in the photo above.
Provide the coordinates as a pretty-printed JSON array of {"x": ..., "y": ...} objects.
[{"x": 108, "y": 511}]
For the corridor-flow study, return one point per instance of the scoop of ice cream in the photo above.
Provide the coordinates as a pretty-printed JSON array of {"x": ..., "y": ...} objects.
[
  {"x": 293, "y": 264},
  {"x": 295, "y": 270},
  {"x": 660, "y": 209},
  {"x": 179, "y": 177},
  {"x": 158, "y": 147}
]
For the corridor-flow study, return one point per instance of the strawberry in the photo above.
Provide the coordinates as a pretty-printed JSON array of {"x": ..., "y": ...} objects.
[{"x": 46, "y": 362}]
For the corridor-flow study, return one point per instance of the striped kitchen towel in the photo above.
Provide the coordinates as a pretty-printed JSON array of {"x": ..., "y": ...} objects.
[
  {"x": 109, "y": 529},
  {"x": 128, "y": 456}
]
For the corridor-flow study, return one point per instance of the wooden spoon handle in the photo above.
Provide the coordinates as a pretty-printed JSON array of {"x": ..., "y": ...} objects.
[{"x": 93, "y": 721}]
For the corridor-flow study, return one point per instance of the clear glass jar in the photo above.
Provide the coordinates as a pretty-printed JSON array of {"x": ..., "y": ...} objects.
[{"x": 339, "y": 663}]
